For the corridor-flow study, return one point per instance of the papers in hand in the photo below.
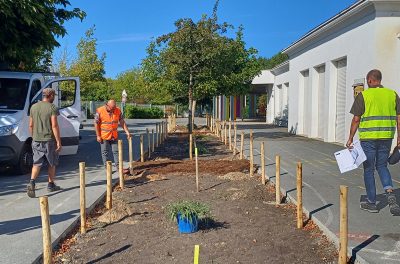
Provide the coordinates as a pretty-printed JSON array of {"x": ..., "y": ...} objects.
[{"x": 350, "y": 159}]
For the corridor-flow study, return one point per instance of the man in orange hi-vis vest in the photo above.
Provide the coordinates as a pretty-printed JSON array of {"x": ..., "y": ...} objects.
[{"x": 107, "y": 118}]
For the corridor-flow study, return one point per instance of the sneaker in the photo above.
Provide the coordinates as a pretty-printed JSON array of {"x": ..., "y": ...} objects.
[
  {"x": 52, "y": 187},
  {"x": 31, "y": 190},
  {"x": 393, "y": 206},
  {"x": 369, "y": 207}
]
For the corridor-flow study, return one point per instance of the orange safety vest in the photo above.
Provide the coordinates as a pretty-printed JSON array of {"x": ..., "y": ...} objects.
[{"x": 109, "y": 123}]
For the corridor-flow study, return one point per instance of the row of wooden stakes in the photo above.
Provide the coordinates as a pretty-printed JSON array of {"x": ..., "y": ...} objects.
[
  {"x": 223, "y": 130},
  {"x": 156, "y": 139}
]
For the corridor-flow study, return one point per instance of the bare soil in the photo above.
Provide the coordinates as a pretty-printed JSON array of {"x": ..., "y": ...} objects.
[{"x": 247, "y": 226}]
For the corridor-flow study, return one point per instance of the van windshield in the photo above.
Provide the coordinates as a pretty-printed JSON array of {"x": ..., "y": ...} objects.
[{"x": 13, "y": 93}]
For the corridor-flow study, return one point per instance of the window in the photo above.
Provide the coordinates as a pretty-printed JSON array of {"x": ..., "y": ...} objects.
[
  {"x": 36, "y": 86},
  {"x": 13, "y": 93},
  {"x": 65, "y": 90}
]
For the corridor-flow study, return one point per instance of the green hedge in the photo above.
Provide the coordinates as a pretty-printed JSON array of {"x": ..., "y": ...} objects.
[{"x": 143, "y": 113}]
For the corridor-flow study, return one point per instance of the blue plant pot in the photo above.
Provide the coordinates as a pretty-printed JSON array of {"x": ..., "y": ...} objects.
[{"x": 186, "y": 226}]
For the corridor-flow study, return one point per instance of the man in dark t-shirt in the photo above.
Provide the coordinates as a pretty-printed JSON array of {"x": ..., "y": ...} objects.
[{"x": 46, "y": 142}]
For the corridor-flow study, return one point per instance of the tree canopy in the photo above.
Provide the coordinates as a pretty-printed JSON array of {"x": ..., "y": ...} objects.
[
  {"x": 269, "y": 63},
  {"x": 199, "y": 60},
  {"x": 29, "y": 31}
]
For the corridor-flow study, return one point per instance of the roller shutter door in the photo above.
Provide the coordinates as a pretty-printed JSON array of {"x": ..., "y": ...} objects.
[
  {"x": 322, "y": 102},
  {"x": 307, "y": 103},
  {"x": 341, "y": 101}
]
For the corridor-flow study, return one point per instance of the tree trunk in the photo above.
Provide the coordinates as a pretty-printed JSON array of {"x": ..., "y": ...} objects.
[
  {"x": 193, "y": 112},
  {"x": 190, "y": 103}
]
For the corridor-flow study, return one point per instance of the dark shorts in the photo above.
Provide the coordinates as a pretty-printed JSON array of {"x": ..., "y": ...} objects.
[{"x": 44, "y": 152}]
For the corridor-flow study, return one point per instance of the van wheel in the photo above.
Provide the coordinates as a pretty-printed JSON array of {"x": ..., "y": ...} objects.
[{"x": 25, "y": 162}]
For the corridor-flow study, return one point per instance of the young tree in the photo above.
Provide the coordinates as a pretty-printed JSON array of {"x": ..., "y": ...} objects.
[
  {"x": 198, "y": 60},
  {"x": 29, "y": 29}
]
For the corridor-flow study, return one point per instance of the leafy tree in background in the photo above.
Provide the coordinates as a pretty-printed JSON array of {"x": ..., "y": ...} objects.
[
  {"x": 89, "y": 67},
  {"x": 198, "y": 60},
  {"x": 29, "y": 29},
  {"x": 269, "y": 63}
]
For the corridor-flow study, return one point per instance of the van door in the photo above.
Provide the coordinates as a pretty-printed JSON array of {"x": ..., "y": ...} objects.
[{"x": 68, "y": 101}]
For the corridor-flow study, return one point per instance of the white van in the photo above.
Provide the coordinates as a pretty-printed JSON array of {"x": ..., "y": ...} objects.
[{"x": 18, "y": 92}]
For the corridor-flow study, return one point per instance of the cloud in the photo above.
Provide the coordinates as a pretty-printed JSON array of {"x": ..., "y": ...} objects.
[{"x": 127, "y": 38}]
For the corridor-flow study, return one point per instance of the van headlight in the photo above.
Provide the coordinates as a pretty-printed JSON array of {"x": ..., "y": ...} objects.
[{"x": 8, "y": 130}]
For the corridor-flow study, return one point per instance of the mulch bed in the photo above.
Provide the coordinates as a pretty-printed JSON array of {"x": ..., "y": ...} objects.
[{"x": 247, "y": 226}]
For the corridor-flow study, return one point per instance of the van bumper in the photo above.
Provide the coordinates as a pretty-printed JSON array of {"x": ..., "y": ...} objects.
[{"x": 10, "y": 149}]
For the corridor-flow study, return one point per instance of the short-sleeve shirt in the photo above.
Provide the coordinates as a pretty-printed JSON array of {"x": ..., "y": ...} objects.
[
  {"x": 41, "y": 114},
  {"x": 358, "y": 108}
]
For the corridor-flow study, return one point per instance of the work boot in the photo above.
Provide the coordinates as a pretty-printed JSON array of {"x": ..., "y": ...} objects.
[
  {"x": 31, "y": 189},
  {"x": 52, "y": 187},
  {"x": 369, "y": 207},
  {"x": 393, "y": 206}
]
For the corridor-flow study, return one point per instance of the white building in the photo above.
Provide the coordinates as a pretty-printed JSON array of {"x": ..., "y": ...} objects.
[{"x": 314, "y": 88}]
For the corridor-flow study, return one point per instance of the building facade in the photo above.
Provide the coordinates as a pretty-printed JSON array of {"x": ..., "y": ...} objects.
[{"x": 314, "y": 89}]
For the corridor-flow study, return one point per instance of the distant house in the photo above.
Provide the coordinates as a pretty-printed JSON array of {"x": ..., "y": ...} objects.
[{"x": 314, "y": 90}]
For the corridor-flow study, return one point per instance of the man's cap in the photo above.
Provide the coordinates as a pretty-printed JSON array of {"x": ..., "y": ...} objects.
[
  {"x": 395, "y": 157},
  {"x": 48, "y": 92}
]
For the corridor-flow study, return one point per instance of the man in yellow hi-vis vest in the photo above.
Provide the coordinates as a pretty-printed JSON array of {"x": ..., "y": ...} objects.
[{"x": 376, "y": 116}]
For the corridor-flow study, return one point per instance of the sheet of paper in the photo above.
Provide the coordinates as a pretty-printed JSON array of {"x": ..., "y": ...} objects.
[{"x": 348, "y": 160}]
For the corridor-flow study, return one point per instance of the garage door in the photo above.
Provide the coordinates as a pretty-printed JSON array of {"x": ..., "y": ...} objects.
[
  {"x": 322, "y": 102},
  {"x": 307, "y": 103},
  {"x": 341, "y": 101}
]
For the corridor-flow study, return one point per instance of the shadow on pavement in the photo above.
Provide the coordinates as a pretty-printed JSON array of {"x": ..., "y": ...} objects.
[
  {"x": 17, "y": 226},
  {"x": 361, "y": 246},
  {"x": 316, "y": 211},
  {"x": 381, "y": 199}
]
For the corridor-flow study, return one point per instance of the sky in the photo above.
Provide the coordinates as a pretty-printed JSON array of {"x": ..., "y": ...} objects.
[{"x": 124, "y": 28}]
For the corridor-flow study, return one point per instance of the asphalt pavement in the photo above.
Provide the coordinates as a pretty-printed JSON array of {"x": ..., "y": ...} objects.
[{"x": 20, "y": 222}]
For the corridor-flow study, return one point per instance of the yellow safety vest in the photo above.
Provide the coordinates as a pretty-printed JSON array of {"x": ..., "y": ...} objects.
[{"x": 379, "y": 118}]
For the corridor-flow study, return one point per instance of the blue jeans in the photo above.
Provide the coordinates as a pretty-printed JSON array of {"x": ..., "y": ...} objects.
[{"x": 377, "y": 152}]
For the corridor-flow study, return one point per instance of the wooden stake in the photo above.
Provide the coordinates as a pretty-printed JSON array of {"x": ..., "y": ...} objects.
[
  {"x": 299, "y": 195},
  {"x": 141, "y": 149},
  {"x": 152, "y": 142},
  {"x": 44, "y": 211},
  {"x": 234, "y": 138},
  {"x": 109, "y": 185},
  {"x": 278, "y": 179},
  {"x": 148, "y": 143},
  {"x": 191, "y": 147},
  {"x": 241, "y": 145},
  {"x": 230, "y": 135},
  {"x": 343, "y": 225},
  {"x": 121, "y": 165},
  {"x": 251, "y": 154},
  {"x": 197, "y": 169},
  {"x": 130, "y": 155},
  {"x": 82, "y": 196},
  {"x": 263, "y": 181}
]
